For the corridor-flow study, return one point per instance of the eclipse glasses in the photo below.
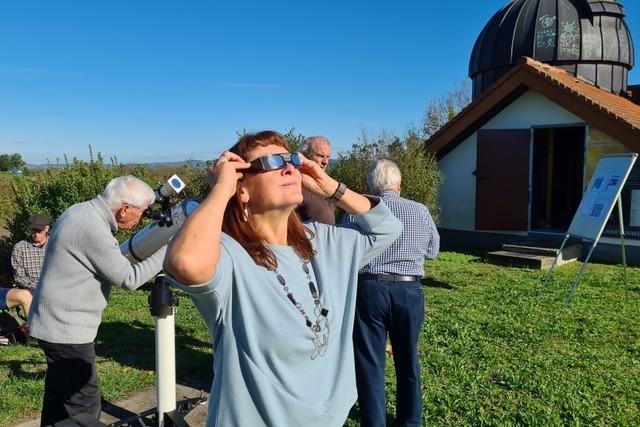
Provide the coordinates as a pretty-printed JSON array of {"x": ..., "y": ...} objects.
[{"x": 275, "y": 162}]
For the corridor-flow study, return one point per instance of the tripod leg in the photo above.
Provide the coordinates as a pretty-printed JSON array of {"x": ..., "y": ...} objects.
[
  {"x": 575, "y": 283},
  {"x": 555, "y": 261}
]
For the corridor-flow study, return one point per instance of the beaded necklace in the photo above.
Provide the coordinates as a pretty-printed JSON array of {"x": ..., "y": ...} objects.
[{"x": 319, "y": 328}]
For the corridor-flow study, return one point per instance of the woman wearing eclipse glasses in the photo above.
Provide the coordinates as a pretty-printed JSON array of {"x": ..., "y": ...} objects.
[{"x": 277, "y": 295}]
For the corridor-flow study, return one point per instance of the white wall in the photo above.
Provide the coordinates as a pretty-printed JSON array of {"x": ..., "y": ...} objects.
[
  {"x": 458, "y": 192},
  {"x": 532, "y": 109}
]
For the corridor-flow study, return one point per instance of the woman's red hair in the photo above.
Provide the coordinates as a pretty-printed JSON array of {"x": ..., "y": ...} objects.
[{"x": 244, "y": 231}]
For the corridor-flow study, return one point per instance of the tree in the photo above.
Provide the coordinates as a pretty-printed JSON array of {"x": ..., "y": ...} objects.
[
  {"x": 11, "y": 161},
  {"x": 446, "y": 107},
  {"x": 294, "y": 139},
  {"x": 16, "y": 161},
  {"x": 421, "y": 177}
]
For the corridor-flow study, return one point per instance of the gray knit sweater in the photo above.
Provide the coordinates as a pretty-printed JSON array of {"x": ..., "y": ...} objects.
[{"x": 81, "y": 263}]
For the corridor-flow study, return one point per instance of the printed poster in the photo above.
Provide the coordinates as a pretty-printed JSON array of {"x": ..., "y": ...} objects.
[
  {"x": 600, "y": 195},
  {"x": 591, "y": 195}
]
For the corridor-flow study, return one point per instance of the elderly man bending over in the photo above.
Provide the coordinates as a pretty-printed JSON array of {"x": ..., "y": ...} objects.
[{"x": 82, "y": 262}]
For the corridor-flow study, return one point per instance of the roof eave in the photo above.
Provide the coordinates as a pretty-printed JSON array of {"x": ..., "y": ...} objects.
[{"x": 522, "y": 77}]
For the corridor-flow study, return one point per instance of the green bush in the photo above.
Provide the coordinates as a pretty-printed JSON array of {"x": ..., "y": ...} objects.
[
  {"x": 421, "y": 178},
  {"x": 7, "y": 200},
  {"x": 11, "y": 161},
  {"x": 52, "y": 191}
]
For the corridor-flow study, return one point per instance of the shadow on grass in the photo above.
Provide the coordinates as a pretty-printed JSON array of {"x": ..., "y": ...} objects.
[
  {"x": 479, "y": 255},
  {"x": 35, "y": 369},
  {"x": 354, "y": 416},
  {"x": 129, "y": 344},
  {"x": 433, "y": 283},
  {"x": 481, "y": 259},
  {"x": 133, "y": 344}
]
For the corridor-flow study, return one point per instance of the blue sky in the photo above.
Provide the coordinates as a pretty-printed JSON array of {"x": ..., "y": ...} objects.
[{"x": 162, "y": 81}]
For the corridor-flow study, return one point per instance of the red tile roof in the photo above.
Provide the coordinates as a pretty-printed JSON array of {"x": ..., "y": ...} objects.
[{"x": 612, "y": 114}]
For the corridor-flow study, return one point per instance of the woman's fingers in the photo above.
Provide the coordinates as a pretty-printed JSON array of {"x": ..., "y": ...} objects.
[
  {"x": 232, "y": 156},
  {"x": 227, "y": 169},
  {"x": 228, "y": 156}
]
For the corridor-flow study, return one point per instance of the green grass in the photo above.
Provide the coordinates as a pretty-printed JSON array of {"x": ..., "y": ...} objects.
[
  {"x": 492, "y": 353},
  {"x": 126, "y": 358},
  {"x": 495, "y": 354}
]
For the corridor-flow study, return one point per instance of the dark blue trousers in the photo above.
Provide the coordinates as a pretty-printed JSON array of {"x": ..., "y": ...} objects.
[{"x": 396, "y": 308}]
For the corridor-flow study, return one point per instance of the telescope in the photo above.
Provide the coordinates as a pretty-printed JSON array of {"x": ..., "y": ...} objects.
[
  {"x": 162, "y": 302},
  {"x": 168, "y": 220}
]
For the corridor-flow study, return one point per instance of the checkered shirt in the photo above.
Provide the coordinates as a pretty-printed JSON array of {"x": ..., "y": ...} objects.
[
  {"x": 26, "y": 260},
  {"x": 419, "y": 239}
]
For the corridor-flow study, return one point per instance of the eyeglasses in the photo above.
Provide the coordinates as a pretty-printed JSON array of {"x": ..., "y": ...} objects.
[
  {"x": 275, "y": 162},
  {"x": 143, "y": 210}
]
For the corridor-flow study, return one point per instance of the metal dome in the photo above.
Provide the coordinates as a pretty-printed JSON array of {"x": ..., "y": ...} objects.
[{"x": 588, "y": 38}]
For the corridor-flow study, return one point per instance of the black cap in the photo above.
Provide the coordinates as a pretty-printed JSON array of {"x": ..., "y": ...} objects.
[{"x": 38, "y": 222}]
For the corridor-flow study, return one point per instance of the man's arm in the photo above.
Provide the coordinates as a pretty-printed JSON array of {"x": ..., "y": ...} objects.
[
  {"x": 432, "y": 246},
  {"x": 102, "y": 251}
]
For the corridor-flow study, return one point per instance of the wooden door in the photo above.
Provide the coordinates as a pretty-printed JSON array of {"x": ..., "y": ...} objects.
[{"x": 502, "y": 180}]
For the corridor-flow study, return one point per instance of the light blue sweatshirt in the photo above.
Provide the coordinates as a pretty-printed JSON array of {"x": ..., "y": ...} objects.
[{"x": 263, "y": 371}]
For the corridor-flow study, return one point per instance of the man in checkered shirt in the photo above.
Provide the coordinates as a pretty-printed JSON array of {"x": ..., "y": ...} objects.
[
  {"x": 391, "y": 299},
  {"x": 28, "y": 255}
]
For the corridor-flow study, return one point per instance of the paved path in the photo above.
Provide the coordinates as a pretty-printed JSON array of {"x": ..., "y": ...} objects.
[{"x": 140, "y": 402}]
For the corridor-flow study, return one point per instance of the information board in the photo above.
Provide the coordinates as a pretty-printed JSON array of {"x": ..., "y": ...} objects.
[{"x": 601, "y": 195}]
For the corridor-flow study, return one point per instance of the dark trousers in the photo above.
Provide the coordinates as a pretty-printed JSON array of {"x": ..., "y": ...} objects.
[
  {"x": 71, "y": 393},
  {"x": 396, "y": 307}
]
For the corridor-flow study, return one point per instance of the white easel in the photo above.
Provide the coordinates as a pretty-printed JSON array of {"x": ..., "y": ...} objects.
[{"x": 595, "y": 208}]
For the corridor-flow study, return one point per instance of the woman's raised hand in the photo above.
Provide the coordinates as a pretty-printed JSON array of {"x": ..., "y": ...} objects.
[{"x": 226, "y": 172}]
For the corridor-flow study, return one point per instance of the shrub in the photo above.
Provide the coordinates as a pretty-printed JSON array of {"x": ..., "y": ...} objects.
[
  {"x": 53, "y": 190},
  {"x": 421, "y": 178},
  {"x": 7, "y": 199}
]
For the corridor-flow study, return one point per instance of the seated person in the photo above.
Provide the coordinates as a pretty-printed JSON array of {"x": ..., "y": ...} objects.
[{"x": 28, "y": 254}]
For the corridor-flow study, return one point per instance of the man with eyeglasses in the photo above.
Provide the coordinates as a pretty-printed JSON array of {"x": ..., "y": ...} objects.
[
  {"x": 82, "y": 262},
  {"x": 313, "y": 207}
]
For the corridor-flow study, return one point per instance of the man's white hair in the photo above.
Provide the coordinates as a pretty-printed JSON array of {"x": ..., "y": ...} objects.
[
  {"x": 128, "y": 190},
  {"x": 307, "y": 144},
  {"x": 383, "y": 175}
]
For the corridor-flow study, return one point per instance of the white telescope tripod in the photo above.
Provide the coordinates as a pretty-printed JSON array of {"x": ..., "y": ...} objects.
[
  {"x": 169, "y": 412},
  {"x": 162, "y": 303}
]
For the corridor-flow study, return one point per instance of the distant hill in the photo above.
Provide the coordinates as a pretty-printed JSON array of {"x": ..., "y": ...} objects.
[{"x": 189, "y": 163}]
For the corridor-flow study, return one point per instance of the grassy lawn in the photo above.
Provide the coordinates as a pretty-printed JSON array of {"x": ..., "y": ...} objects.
[{"x": 492, "y": 352}]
